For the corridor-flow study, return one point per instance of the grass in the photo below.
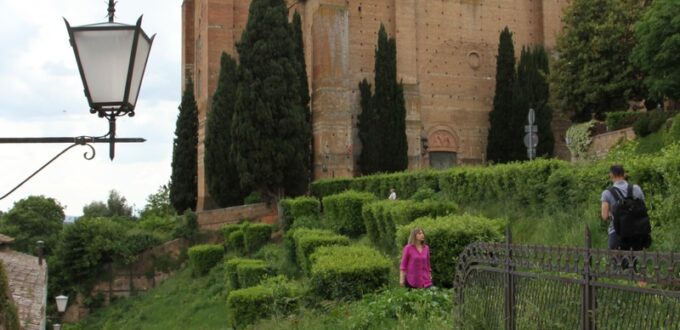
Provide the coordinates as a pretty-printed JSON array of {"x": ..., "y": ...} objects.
[{"x": 181, "y": 302}]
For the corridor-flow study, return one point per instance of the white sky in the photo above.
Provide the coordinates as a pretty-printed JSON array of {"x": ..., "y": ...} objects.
[{"x": 41, "y": 94}]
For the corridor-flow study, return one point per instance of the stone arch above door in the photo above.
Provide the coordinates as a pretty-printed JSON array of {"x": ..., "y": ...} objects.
[{"x": 442, "y": 139}]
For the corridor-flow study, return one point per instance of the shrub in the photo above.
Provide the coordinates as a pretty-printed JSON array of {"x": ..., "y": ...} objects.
[
  {"x": 306, "y": 241},
  {"x": 235, "y": 242},
  {"x": 343, "y": 212},
  {"x": 306, "y": 222},
  {"x": 674, "y": 132},
  {"x": 348, "y": 272},
  {"x": 255, "y": 235},
  {"x": 295, "y": 208},
  {"x": 227, "y": 229},
  {"x": 275, "y": 296},
  {"x": 447, "y": 237},
  {"x": 277, "y": 258},
  {"x": 245, "y": 306},
  {"x": 382, "y": 217},
  {"x": 243, "y": 273},
  {"x": 253, "y": 198},
  {"x": 405, "y": 183},
  {"x": 620, "y": 119},
  {"x": 204, "y": 257}
]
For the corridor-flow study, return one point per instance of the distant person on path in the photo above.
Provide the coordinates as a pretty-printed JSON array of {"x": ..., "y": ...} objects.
[
  {"x": 393, "y": 195},
  {"x": 415, "y": 270},
  {"x": 628, "y": 226}
]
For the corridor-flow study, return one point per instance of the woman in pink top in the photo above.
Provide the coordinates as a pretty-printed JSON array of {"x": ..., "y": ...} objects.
[{"x": 415, "y": 271}]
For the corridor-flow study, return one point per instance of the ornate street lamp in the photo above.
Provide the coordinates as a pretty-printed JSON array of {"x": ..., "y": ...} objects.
[{"x": 111, "y": 60}]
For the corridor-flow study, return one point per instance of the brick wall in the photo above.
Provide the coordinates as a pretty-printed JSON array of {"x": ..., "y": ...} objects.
[{"x": 214, "y": 219}]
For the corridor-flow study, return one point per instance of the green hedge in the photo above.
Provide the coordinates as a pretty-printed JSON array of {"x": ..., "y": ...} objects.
[
  {"x": 294, "y": 208},
  {"x": 275, "y": 296},
  {"x": 302, "y": 242},
  {"x": 227, "y": 229},
  {"x": 621, "y": 119},
  {"x": 244, "y": 273},
  {"x": 256, "y": 235},
  {"x": 405, "y": 183},
  {"x": 381, "y": 218},
  {"x": 203, "y": 257},
  {"x": 447, "y": 237},
  {"x": 348, "y": 272},
  {"x": 9, "y": 317},
  {"x": 342, "y": 212},
  {"x": 235, "y": 242}
]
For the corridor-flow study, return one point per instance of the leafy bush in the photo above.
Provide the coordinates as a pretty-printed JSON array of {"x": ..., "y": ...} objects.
[
  {"x": 342, "y": 212},
  {"x": 307, "y": 222},
  {"x": 620, "y": 119},
  {"x": 9, "y": 317},
  {"x": 405, "y": 183},
  {"x": 447, "y": 237},
  {"x": 674, "y": 132},
  {"x": 244, "y": 273},
  {"x": 295, "y": 208},
  {"x": 276, "y": 296},
  {"x": 303, "y": 242},
  {"x": 253, "y": 198},
  {"x": 348, "y": 272},
  {"x": 203, "y": 257},
  {"x": 650, "y": 122},
  {"x": 227, "y": 229},
  {"x": 382, "y": 217},
  {"x": 277, "y": 259},
  {"x": 377, "y": 309},
  {"x": 579, "y": 138},
  {"x": 255, "y": 235},
  {"x": 235, "y": 242}
]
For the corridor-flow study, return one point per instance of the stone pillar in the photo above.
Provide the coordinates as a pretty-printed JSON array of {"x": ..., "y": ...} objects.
[{"x": 332, "y": 104}]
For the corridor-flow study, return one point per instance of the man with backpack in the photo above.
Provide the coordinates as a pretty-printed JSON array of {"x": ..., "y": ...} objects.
[{"x": 623, "y": 205}]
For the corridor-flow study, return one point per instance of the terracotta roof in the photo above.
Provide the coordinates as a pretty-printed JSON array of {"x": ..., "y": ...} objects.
[
  {"x": 28, "y": 284},
  {"x": 5, "y": 239}
]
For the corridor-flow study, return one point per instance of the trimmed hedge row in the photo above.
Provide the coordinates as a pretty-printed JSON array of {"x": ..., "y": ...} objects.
[
  {"x": 302, "y": 242},
  {"x": 244, "y": 273},
  {"x": 342, "y": 212},
  {"x": 382, "y": 218},
  {"x": 275, "y": 296},
  {"x": 405, "y": 183},
  {"x": 204, "y": 257},
  {"x": 447, "y": 237},
  {"x": 348, "y": 272},
  {"x": 246, "y": 237},
  {"x": 294, "y": 208}
]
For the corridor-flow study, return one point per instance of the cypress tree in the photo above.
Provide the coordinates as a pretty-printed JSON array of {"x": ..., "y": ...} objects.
[
  {"x": 501, "y": 141},
  {"x": 368, "y": 132},
  {"x": 183, "y": 186},
  {"x": 301, "y": 187},
  {"x": 269, "y": 129},
  {"x": 220, "y": 172},
  {"x": 388, "y": 111}
]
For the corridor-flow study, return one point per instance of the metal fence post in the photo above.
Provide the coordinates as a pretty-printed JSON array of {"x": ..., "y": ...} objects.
[
  {"x": 588, "y": 300},
  {"x": 509, "y": 283}
]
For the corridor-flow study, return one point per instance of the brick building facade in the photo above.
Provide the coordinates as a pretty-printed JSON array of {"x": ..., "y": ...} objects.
[{"x": 446, "y": 58}]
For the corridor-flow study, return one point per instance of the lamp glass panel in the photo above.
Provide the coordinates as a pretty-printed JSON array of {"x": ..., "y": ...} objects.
[
  {"x": 105, "y": 58},
  {"x": 143, "y": 49}
]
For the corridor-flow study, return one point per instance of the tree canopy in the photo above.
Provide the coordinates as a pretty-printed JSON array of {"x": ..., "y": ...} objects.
[
  {"x": 382, "y": 122},
  {"x": 504, "y": 140},
  {"x": 32, "y": 219},
  {"x": 657, "y": 48},
  {"x": 270, "y": 131},
  {"x": 593, "y": 73},
  {"x": 115, "y": 206},
  {"x": 221, "y": 176},
  {"x": 183, "y": 180}
]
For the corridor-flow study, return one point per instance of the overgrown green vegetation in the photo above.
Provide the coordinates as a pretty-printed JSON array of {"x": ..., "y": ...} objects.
[{"x": 9, "y": 319}]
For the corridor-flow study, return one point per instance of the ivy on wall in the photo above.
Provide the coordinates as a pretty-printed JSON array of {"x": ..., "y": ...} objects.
[{"x": 579, "y": 138}]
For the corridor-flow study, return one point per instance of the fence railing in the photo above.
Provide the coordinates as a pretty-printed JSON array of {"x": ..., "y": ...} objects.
[{"x": 504, "y": 285}]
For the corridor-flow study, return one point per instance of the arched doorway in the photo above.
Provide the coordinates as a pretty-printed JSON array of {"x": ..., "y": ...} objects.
[{"x": 443, "y": 149}]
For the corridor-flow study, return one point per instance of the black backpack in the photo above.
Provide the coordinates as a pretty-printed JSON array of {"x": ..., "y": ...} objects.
[{"x": 630, "y": 217}]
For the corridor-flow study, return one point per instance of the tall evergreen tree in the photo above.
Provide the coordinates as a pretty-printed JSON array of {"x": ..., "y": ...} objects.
[
  {"x": 301, "y": 187},
  {"x": 183, "y": 185},
  {"x": 533, "y": 93},
  {"x": 221, "y": 175},
  {"x": 502, "y": 142},
  {"x": 369, "y": 159},
  {"x": 269, "y": 131},
  {"x": 387, "y": 110}
]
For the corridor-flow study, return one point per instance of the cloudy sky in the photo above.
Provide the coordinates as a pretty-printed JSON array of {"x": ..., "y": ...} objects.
[{"x": 41, "y": 94}]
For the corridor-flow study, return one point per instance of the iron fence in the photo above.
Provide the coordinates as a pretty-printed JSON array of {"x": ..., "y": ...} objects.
[{"x": 513, "y": 286}]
